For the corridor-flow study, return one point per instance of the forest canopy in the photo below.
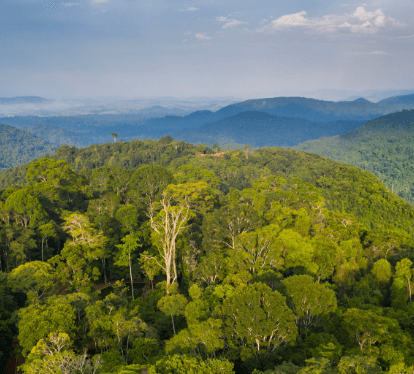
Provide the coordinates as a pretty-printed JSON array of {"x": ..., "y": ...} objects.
[{"x": 164, "y": 256}]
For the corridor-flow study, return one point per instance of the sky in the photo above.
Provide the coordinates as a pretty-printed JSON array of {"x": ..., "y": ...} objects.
[{"x": 134, "y": 49}]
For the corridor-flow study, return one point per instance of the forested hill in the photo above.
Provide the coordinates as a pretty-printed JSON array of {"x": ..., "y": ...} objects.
[
  {"x": 57, "y": 135},
  {"x": 19, "y": 146},
  {"x": 265, "y": 262},
  {"x": 318, "y": 110},
  {"x": 383, "y": 146},
  {"x": 261, "y": 129},
  {"x": 344, "y": 187},
  {"x": 164, "y": 257}
]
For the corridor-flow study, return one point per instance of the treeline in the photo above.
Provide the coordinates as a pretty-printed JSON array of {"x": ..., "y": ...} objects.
[{"x": 246, "y": 267}]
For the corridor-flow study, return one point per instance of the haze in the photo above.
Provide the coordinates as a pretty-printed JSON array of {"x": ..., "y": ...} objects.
[{"x": 127, "y": 49}]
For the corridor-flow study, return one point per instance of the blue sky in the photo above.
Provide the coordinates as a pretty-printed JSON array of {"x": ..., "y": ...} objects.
[{"x": 149, "y": 48}]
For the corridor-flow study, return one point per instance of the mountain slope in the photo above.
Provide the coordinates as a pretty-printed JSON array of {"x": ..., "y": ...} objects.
[
  {"x": 344, "y": 187},
  {"x": 383, "y": 146},
  {"x": 260, "y": 129},
  {"x": 19, "y": 146},
  {"x": 312, "y": 109},
  {"x": 395, "y": 100},
  {"x": 57, "y": 135}
]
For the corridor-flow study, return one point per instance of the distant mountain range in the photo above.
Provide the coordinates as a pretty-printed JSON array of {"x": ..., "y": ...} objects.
[
  {"x": 260, "y": 129},
  {"x": 280, "y": 121},
  {"x": 23, "y": 100},
  {"x": 384, "y": 146}
]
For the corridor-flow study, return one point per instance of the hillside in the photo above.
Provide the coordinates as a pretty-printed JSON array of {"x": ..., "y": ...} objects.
[
  {"x": 384, "y": 146},
  {"x": 395, "y": 100},
  {"x": 18, "y": 147},
  {"x": 344, "y": 187},
  {"x": 316, "y": 110},
  {"x": 57, "y": 135},
  {"x": 160, "y": 257},
  {"x": 260, "y": 129}
]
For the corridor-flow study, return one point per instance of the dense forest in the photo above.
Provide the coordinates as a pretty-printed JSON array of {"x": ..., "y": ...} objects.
[
  {"x": 164, "y": 257},
  {"x": 383, "y": 146}
]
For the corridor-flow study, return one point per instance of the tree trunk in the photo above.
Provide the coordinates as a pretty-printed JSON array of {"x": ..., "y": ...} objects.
[
  {"x": 104, "y": 269},
  {"x": 172, "y": 319},
  {"x": 42, "y": 249},
  {"x": 130, "y": 274}
]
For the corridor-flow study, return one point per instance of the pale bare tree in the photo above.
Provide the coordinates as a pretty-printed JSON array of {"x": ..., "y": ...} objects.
[{"x": 166, "y": 226}]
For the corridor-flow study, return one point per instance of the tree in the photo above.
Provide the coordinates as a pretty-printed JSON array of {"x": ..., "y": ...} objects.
[
  {"x": 83, "y": 233},
  {"x": 367, "y": 327},
  {"x": 183, "y": 364},
  {"x": 358, "y": 365},
  {"x": 87, "y": 244},
  {"x": 166, "y": 226},
  {"x": 127, "y": 215},
  {"x": 194, "y": 174},
  {"x": 258, "y": 249},
  {"x": 123, "y": 257},
  {"x": 38, "y": 321},
  {"x": 402, "y": 284},
  {"x": 35, "y": 279},
  {"x": 46, "y": 231},
  {"x": 308, "y": 299},
  {"x": 382, "y": 271},
  {"x": 148, "y": 183},
  {"x": 52, "y": 355},
  {"x": 150, "y": 267},
  {"x": 113, "y": 323},
  {"x": 257, "y": 320},
  {"x": 114, "y": 136},
  {"x": 26, "y": 208},
  {"x": 173, "y": 305}
]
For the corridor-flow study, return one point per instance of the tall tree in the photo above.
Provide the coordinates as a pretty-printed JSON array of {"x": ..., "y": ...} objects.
[{"x": 166, "y": 226}]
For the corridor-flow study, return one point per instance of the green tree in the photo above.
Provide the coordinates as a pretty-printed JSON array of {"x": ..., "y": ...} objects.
[
  {"x": 308, "y": 299},
  {"x": 123, "y": 257},
  {"x": 46, "y": 231},
  {"x": 173, "y": 305},
  {"x": 35, "y": 279},
  {"x": 367, "y": 327},
  {"x": 53, "y": 355},
  {"x": 182, "y": 364},
  {"x": 38, "y": 321},
  {"x": 27, "y": 209},
  {"x": 257, "y": 320}
]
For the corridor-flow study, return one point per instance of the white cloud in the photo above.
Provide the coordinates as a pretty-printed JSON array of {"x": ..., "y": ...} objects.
[
  {"x": 361, "y": 21},
  {"x": 189, "y": 9},
  {"x": 230, "y": 22},
  {"x": 68, "y": 5},
  {"x": 187, "y": 33},
  {"x": 201, "y": 36},
  {"x": 100, "y": 1}
]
